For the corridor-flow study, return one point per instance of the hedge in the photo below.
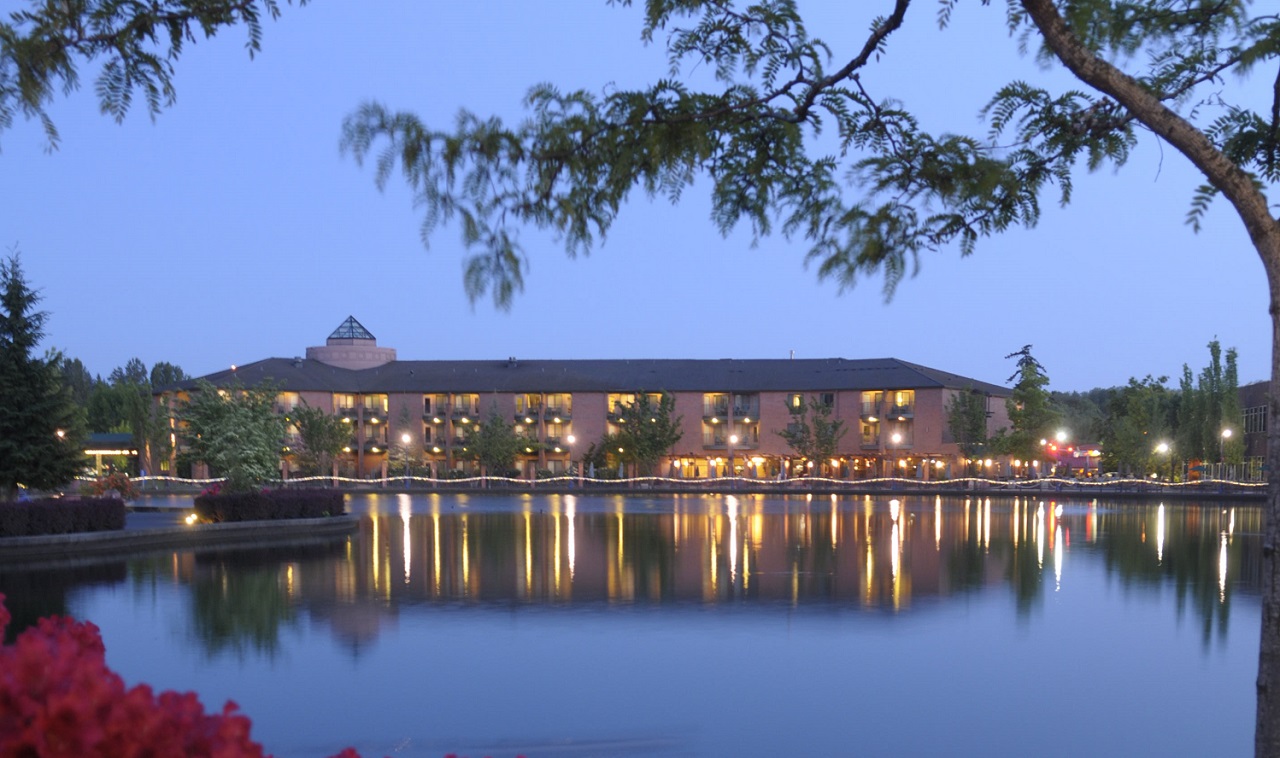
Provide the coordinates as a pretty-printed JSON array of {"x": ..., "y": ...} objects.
[
  {"x": 269, "y": 504},
  {"x": 60, "y": 516}
]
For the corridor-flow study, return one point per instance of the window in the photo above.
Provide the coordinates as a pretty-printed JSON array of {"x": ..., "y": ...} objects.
[
  {"x": 466, "y": 405},
  {"x": 560, "y": 404},
  {"x": 871, "y": 402},
  {"x": 530, "y": 404},
  {"x": 286, "y": 402},
  {"x": 795, "y": 402},
  {"x": 827, "y": 399},
  {"x": 715, "y": 404},
  {"x": 375, "y": 433},
  {"x": 870, "y": 433},
  {"x": 1255, "y": 419},
  {"x": 344, "y": 404},
  {"x": 899, "y": 435},
  {"x": 904, "y": 403},
  {"x": 715, "y": 435},
  {"x": 618, "y": 402},
  {"x": 746, "y": 406},
  {"x": 555, "y": 432}
]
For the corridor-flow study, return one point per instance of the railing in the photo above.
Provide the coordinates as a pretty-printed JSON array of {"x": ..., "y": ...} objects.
[{"x": 1089, "y": 488}]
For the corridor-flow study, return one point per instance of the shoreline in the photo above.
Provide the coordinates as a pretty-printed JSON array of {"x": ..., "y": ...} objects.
[{"x": 92, "y": 547}]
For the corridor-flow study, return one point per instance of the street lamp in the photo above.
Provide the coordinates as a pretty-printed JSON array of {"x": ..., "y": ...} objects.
[
  {"x": 733, "y": 440},
  {"x": 570, "y": 439},
  {"x": 1164, "y": 449},
  {"x": 1222, "y": 450}
]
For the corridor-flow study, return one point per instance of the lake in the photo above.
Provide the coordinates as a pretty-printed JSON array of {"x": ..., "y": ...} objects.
[{"x": 698, "y": 625}]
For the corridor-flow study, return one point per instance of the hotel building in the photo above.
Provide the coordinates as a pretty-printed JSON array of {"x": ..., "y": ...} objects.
[{"x": 731, "y": 411}]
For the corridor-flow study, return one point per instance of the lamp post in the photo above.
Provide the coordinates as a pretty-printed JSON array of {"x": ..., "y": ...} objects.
[
  {"x": 733, "y": 440},
  {"x": 1164, "y": 449},
  {"x": 405, "y": 439},
  {"x": 1222, "y": 451},
  {"x": 569, "y": 471}
]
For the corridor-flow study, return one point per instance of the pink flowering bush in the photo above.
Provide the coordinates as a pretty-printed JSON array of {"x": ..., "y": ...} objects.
[
  {"x": 116, "y": 481},
  {"x": 58, "y": 698}
]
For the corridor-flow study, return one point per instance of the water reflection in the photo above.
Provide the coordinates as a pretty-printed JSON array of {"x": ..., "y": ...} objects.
[{"x": 875, "y": 555}]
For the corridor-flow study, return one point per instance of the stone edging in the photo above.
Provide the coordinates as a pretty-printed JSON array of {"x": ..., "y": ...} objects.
[{"x": 62, "y": 547}]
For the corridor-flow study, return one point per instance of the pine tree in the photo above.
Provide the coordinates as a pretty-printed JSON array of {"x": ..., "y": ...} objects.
[{"x": 41, "y": 429}]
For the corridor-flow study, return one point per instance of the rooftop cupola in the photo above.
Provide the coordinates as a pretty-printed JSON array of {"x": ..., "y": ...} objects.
[{"x": 352, "y": 346}]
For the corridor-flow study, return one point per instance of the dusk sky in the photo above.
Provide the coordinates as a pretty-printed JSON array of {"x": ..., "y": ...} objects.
[{"x": 231, "y": 229}]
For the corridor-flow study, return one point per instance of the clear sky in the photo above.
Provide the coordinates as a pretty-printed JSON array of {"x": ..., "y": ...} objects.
[{"x": 231, "y": 229}]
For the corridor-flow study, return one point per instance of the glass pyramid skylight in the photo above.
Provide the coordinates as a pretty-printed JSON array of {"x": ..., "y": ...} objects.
[{"x": 351, "y": 330}]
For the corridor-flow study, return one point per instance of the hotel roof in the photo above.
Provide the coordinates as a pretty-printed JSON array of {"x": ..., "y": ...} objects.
[{"x": 553, "y": 376}]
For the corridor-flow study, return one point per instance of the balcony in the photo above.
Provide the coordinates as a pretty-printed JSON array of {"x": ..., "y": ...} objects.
[
  {"x": 722, "y": 443},
  {"x": 346, "y": 412},
  {"x": 715, "y": 410},
  {"x": 746, "y": 410},
  {"x": 557, "y": 415},
  {"x": 529, "y": 416},
  {"x": 870, "y": 409},
  {"x": 464, "y": 411},
  {"x": 902, "y": 411}
]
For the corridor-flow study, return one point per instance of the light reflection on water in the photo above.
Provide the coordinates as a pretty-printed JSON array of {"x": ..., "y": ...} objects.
[{"x": 705, "y": 625}]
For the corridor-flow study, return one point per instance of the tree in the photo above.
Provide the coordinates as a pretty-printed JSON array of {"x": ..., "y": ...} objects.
[
  {"x": 402, "y": 456},
  {"x": 1030, "y": 413},
  {"x": 236, "y": 431},
  {"x": 967, "y": 422},
  {"x": 137, "y": 45},
  {"x": 77, "y": 379},
  {"x": 1084, "y": 414},
  {"x": 812, "y": 433},
  {"x": 1139, "y": 417},
  {"x": 165, "y": 374},
  {"x": 495, "y": 444},
  {"x": 647, "y": 431},
  {"x": 322, "y": 438},
  {"x": 1209, "y": 406},
  {"x": 41, "y": 429}
]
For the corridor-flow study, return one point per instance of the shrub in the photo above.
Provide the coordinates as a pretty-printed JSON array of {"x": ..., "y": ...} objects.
[
  {"x": 58, "y": 697},
  {"x": 116, "y": 481},
  {"x": 60, "y": 516},
  {"x": 269, "y": 504}
]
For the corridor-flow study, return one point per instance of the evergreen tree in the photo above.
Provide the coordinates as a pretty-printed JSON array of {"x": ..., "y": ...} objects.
[
  {"x": 41, "y": 429},
  {"x": 77, "y": 379},
  {"x": 165, "y": 375},
  {"x": 1031, "y": 415}
]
